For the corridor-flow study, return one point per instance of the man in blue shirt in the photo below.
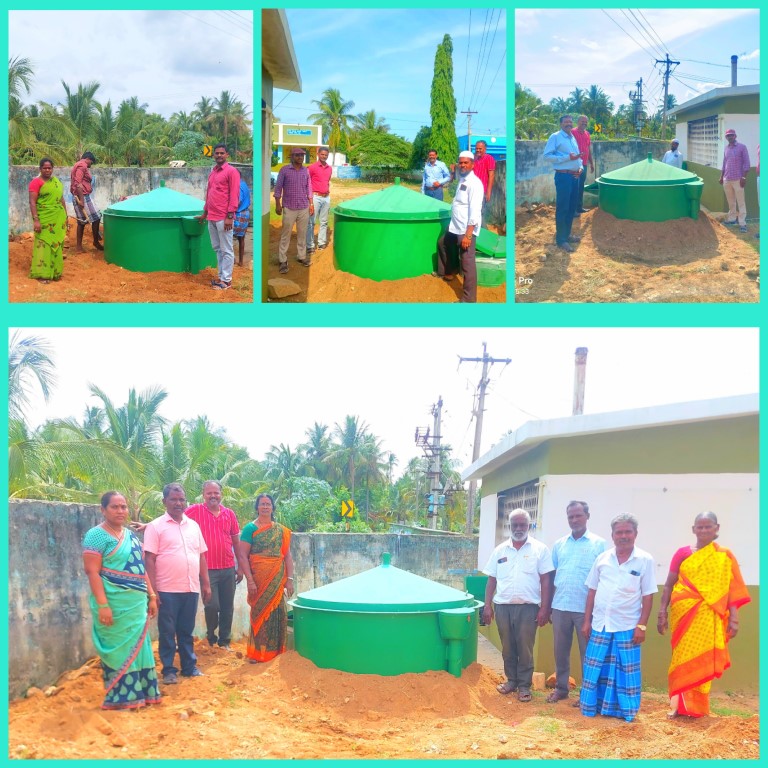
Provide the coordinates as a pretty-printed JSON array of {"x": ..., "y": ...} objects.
[
  {"x": 563, "y": 152},
  {"x": 436, "y": 176},
  {"x": 572, "y": 557}
]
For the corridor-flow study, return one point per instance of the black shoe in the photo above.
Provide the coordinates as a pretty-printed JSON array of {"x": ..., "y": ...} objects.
[
  {"x": 565, "y": 247},
  {"x": 212, "y": 641},
  {"x": 574, "y": 239},
  {"x": 194, "y": 673},
  {"x": 582, "y": 210},
  {"x": 170, "y": 678}
]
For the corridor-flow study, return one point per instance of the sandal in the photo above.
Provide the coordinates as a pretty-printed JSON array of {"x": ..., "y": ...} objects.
[
  {"x": 222, "y": 286},
  {"x": 556, "y": 696},
  {"x": 524, "y": 697},
  {"x": 283, "y": 269},
  {"x": 507, "y": 687}
]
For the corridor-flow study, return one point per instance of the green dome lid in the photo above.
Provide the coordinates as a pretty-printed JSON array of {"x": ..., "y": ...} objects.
[
  {"x": 384, "y": 589},
  {"x": 648, "y": 172},
  {"x": 395, "y": 203},
  {"x": 160, "y": 203}
]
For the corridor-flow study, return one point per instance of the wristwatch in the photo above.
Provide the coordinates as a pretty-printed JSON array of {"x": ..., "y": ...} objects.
[{"x": 642, "y": 626}]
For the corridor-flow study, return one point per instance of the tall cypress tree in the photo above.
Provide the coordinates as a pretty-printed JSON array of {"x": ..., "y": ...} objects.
[{"x": 442, "y": 107}]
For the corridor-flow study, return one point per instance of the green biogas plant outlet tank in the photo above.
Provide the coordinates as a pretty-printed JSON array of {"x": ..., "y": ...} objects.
[
  {"x": 389, "y": 234},
  {"x": 386, "y": 621},
  {"x": 158, "y": 232},
  {"x": 650, "y": 191}
]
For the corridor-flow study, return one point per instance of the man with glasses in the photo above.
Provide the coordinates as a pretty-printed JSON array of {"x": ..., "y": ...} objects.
[{"x": 518, "y": 592}]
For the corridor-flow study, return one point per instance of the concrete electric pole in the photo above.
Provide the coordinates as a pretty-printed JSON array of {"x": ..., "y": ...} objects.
[{"x": 487, "y": 361}]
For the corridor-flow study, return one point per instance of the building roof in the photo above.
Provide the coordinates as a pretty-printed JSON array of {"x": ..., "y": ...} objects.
[
  {"x": 716, "y": 94},
  {"x": 534, "y": 433},
  {"x": 277, "y": 54}
]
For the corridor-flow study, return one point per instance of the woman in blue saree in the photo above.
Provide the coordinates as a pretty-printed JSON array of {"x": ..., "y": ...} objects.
[{"x": 122, "y": 603}]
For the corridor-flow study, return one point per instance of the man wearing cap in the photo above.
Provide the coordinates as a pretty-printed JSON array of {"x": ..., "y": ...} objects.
[
  {"x": 294, "y": 202},
  {"x": 584, "y": 140},
  {"x": 734, "y": 179},
  {"x": 435, "y": 176},
  {"x": 461, "y": 235},
  {"x": 86, "y": 210},
  {"x": 563, "y": 152},
  {"x": 673, "y": 156}
]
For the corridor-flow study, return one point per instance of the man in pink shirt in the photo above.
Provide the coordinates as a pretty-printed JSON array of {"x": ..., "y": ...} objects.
[
  {"x": 320, "y": 175},
  {"x": 484, "y": 168},
  {"x": 221, "y": 533},
  {"x": 222, "y": 196},
  {"x": 174, "y": 553},
  {"x": 584, "y": 140}
]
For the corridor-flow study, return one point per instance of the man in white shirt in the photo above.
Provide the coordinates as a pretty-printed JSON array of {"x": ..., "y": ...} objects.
[
  {"x": 461, "y": 235},
  {"x": 518, "y": 592},
  {"x": 621, "y": 584},
  {"x": 674, "y": 156}
]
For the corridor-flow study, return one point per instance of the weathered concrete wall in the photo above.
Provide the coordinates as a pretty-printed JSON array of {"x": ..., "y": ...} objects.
[
  {"x": 111, "y": 184},
  {"x": 49, "y": 617},
  {"x": 533, "y": 174}
]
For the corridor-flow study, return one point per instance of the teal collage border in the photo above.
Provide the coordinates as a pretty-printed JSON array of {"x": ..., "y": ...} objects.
[{"x": 346, "y": 315}]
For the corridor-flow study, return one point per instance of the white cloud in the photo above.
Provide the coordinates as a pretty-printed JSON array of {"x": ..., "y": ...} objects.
[
  {"x": 750, "y": 56},
  {"x": 591, "y": 44}
]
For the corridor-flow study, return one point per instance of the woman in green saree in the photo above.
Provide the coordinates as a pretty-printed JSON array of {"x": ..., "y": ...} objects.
[
  {"x": 49, "y": 215},
  {"x": 122, "y": 603}
]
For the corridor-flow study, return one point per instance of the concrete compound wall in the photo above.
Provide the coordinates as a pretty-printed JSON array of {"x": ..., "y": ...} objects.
[
  {"x": 49, "y": 628},
  {"x": 533, "y": 174},
  {"x": 111, "y": 184}
]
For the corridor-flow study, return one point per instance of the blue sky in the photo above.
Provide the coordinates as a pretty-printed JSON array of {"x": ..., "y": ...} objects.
[
  {"x": 383, "y": 59},
  {"x": 557, "y": 50}
]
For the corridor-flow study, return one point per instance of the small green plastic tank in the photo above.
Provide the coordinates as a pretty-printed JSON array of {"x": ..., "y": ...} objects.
[
  {"x": 650, "y": 191},
  {"x": 386, "y": 621},
  {"x": 158, "y": 232},
  {"x": 389, "y": 234}
]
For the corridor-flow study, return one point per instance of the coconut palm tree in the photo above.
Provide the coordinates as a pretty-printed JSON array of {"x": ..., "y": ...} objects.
[
  {"x": 80, "y": 109},
  {"x": 348, "y": 451},
  {"x": 334, "y": 116},
  {"x": 30, "y": 359},
  {"x": 370, "y": 121},
  {"x": 315, "y": 451},
  {"x": 282, "y": 466},
  {"x": 533, "y": 118},
  {"x": 597, "y": 104}
]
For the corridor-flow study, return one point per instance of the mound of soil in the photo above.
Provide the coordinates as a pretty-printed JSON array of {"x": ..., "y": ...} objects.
[
  {"x": 634, "y": 261},
  {"x": 88, "y": 278},
  {"x": 290, "y": 709}
]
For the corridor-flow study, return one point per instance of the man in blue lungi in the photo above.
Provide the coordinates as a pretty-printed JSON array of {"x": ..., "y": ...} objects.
[{"x": 621, "y": 585}]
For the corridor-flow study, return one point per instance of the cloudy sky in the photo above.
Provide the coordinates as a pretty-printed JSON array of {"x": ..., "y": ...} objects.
[
  {"x": 384, "y": 59},
  {"x": 266, "y": 386},
  {"x": 557, "y": 50},
  {"x": 169, "y": 59}
]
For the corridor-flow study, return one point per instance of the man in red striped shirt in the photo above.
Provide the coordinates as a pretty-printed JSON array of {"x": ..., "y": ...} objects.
[{"x": 221, "y": 532}]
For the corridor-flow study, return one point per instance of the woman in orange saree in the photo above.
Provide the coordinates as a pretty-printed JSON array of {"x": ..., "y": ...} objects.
[
  {"x": 265, "y": 558},
  {"x": 703, "y": 593}
]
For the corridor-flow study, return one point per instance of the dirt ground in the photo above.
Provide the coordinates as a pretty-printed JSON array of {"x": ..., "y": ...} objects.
[
  {"x": 634, "y": 261},
  {"x": 88, "y": 278},
  {"x": 289, "y": 709},
  {"x": 323, "y": 283}
]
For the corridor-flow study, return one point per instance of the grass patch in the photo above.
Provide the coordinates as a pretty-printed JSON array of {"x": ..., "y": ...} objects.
[{"x": 719, "y": 709}]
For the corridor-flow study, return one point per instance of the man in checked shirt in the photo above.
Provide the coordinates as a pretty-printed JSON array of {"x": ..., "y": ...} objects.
[
  {"x": 294, "y": 202},
  {"x": 734, "y": 179},
  {"x": 572, "y": 557}
]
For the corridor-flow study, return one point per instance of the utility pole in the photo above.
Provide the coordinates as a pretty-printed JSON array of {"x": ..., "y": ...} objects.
[
  {"x": 487, "y": 361},
  {"x": 636, "y": 97},
  {"x": 469, "y": 114},
  {"x": 667, "y": 71},
  {"x": 430, "y": 444}
]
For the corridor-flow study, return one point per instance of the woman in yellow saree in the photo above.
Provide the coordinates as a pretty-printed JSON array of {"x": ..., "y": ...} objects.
[
  {"x": 265, "y": 558},
  {"x": 49, "y": 217},
  {"x": 702, "y": 594}
]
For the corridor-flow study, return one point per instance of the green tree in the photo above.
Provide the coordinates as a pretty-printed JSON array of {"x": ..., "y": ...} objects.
[
  {"x": 80, "y": 109},
  {"x": 421, "y": 145},
  {"x": 348, "y": 452},
  {"x": 381, "y": 150},
  {"x": 334, "y": 116},
  {"x": 442, "y": 108},
  {"x": 370, "y": 121},
  {"x": 533, "y": 118},
  {"x": 29, "y": 360},
  {"x": 597, "y": 105},
  {"x": 189, "y": 147}
]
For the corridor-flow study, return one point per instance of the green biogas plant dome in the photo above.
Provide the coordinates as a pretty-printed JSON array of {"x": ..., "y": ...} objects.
[
  {"x": 389, "y": 234},
  {"x": 650, "y": 191},
  {"x": 158, "y": 232},
  {"x": 386, "y": 621}
]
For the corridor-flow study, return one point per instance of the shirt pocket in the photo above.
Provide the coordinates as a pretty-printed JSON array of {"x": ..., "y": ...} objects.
[
  {"x": 628, "y": 583},
  {"x": 528, "y": 565}
]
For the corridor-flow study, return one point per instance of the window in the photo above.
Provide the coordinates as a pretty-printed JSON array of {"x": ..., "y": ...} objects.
[
  {"x": 704, "y": 141},
  {"x": 525, "y": 496}
]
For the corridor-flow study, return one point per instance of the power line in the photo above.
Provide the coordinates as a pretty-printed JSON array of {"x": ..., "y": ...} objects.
[
  {"x": 654, "y": 48},
  {"x": 664, "y": 46},
  {"x": 212, "y": 26},
  {"x": 641, "y": 47},
  {"x": 236, "y": 22},
  {"x": 490, "y": 50},
  {"x": 239, "y": 19},
  {"x": 725, "y": 66},
  {"x": 480, "y": 54},
  {"x": 490, "y": 88},
  {"x": 466, "y": 65}
]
